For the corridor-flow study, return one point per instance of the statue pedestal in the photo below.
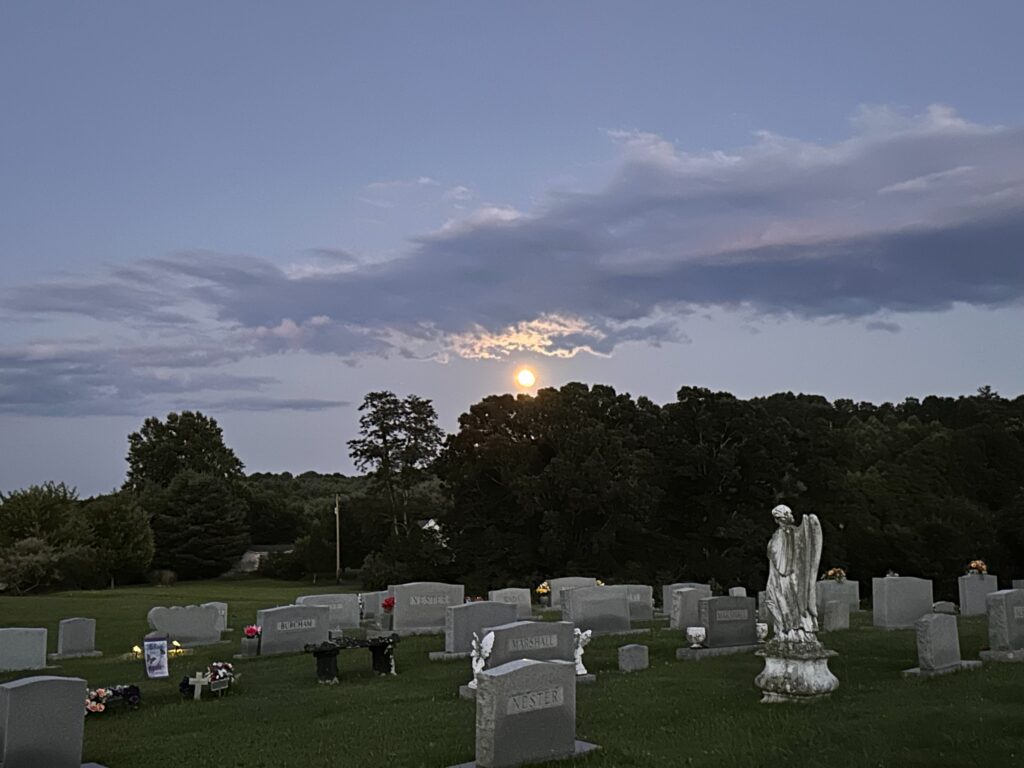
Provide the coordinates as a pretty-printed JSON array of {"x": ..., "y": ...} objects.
[{"x": 795, "y": 672}]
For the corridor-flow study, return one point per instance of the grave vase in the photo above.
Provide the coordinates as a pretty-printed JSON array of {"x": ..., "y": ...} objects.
[
  {"x": 386, "y": 620},
  {"x": 250, "y": 646}
]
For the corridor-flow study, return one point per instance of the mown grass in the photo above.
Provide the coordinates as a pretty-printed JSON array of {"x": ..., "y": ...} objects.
[{"x": 674, "y": 714}]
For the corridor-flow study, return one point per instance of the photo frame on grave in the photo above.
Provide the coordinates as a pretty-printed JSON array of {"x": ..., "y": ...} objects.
[{"x": 154, "y": 655}]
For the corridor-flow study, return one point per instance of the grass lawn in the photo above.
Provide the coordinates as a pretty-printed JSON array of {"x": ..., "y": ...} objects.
[{"x": 674, "y": 714}]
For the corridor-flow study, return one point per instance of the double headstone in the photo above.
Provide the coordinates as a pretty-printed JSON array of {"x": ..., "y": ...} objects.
[
  {"x": 897, "y": 602},
  {"x": 567, "y": 582},
  {"x": 538, "y": 640},
  {"x": 76, "y": 638},
  {"x": 737, "y": 591},
  {"x": 344, "y": 608},
  {"x": 222, "y": 613},
  {"x": 462, "y": 621},
  {"x": 42, "y": 720},
  {"x": 1005, "y": 626},
  {"x": 974, "y": 588},
  {"x": 729, "y": 621},
  {"x": 685, "y": 606},
  {"x": 22, "y": 648},
  {"x": 191, "y": 625},
  {"x": 830, "y": 589},
  {"x": 517, "y": 596},
  {"x": 290, "y": 628},
  {"x": 641, "y": 602},
  {"x": 526, "y": 713},
  {"x": 938, "y": 647},
  {"x": 602, "y": 610},
  {"x": 421, "y": 606}
]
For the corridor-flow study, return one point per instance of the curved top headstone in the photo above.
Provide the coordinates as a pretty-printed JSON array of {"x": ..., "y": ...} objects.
[{"x": 190, "y": 625}]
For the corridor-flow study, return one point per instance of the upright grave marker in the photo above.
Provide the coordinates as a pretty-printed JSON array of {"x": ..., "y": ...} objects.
[
  {"x": 344, "y": 608},
  {"x": 667, "y": 591},
  {"x": 567, "y": 582},
  {"x": 190, "y": 625},
  {"x": 462, "y": 621},
  {"x": 641, "y": 602},
  {"x": 831, "y": 589},
  {"x": 685, "y": 607},
  {"x": 290, "y": 628},
  {"x": 897, "y": 602},
  {"x": 1005, "y": 626},
  {"x": 938, "y": 647},
  {"x": 421, "y": 606},
  {"x": 517, "y": 596},
  {"x": 76, "y": 638},
  {"x": 730, "y": 624},
  {"x": 526, "y": 713},
  {"x": 22, "y": 648},
  {"x": 603, "y": 610},
  {"x": 973, "y": 588},
  {"x": 42, "y": 720}
]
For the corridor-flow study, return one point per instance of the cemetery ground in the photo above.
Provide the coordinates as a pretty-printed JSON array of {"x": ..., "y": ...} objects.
[{"x": 676, "y": 713}]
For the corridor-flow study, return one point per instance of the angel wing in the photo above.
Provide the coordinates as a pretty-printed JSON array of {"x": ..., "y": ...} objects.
[
  {"x": 487, "y": 645},
  {"x": 808, "y": 559}
]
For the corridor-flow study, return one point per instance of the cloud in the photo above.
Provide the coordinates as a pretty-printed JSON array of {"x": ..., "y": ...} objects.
[{"x": 910, "y": 213}]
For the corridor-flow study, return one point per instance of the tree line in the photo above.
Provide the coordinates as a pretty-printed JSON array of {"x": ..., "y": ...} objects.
[{"x": 579, "y": 479}]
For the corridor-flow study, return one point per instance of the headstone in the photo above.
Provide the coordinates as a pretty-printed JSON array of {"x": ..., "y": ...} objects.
[
  {"x": 897, "y": 602},
  {"x": 191, "y": 625},
  {"x": 633, "y": 658},
  {"x": 668, "y": 589},
  {"x": 344, "y": 608},
  {"x": 290, "y": 628},
  {"x": 830, "y": 589},
  {"x": 538, "y": 640},
  {"x": 729, "y": 621},
  {"x": 526, "y": 713},
  {"x": 938, "y": 647},
  {"x": 1005, "y": 626},
  {"x": 422, "y": 605},
  {"x": 836, "y": 616},
  {"x": 517, "y": 596},
  {"x": 371, "y": 603},
  {"x": 1017, "y": 583},
  {"x": 944, "y": 606},
  {"x": 42, "y": 721},
  {"x": 685, "y": 604},
  {"x": 22, "y": 648},
  {"x": 737, "y": 591},
  {"x": 461, "y": 621},
  {"x": 603, "y": 610},
  {"x": 567, "y": 582},
  {"x": 974, "y": 587},
  {"x": 76, "y": 638},
  {"x": 641, "y": 602},
  {"x": 222, "y": 613}
]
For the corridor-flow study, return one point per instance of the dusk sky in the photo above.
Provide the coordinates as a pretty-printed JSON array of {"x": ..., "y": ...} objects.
[{"x": 265, "y": 211}]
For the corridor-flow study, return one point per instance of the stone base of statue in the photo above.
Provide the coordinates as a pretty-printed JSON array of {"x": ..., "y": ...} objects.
[{"x": 795, "y": 672}]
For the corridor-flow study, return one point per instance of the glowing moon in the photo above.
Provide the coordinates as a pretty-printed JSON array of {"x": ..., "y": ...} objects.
[{"x": 525, "y": 378}]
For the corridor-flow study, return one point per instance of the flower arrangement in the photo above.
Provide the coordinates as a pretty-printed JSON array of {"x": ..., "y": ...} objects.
[
  {"x": 388, "y": 605},
  {"x": 220, "y": 670},
  {"x": 543, "y": 588},
  {"x": 834, "y": 574},
  {"x": 252, "y": 631},
  {"x": 977, "y": 566},
  {"x": 599, "y": 582},
  {"x": 96, "y": 700}
]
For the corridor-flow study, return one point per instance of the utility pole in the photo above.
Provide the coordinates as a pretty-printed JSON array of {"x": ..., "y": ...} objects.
[{"x": 337, "y": 540}]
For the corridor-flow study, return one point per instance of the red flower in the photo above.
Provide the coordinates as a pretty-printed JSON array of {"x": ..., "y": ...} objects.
[{"x": 388, "y": 604}]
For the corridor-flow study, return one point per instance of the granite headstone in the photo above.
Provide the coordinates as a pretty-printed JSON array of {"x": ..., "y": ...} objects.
[
  {"x": 729, "y": 621},
  {"x": 422, "y": 605},
  {"x": 973, "y": 588},
  {"x": 897, "y": 602},
  {"x": 22, "y": 648},
  {"x": 42, "y": 722},
  {"x": 190, "y": 625},
  {"x": 344, "y": 608},
  {"x": 290, "y": 628},
  {"x": 517, "y": 596},
  {"x": 462, "y": 621}
]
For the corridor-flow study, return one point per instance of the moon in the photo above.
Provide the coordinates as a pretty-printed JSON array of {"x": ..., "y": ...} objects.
[{"x": 525, "y": 378}]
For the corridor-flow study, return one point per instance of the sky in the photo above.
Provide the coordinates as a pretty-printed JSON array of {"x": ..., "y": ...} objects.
[{"x": 264, "y": 211}]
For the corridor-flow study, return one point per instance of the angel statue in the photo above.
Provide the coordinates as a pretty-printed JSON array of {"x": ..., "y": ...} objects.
[
  {"x": 794, "y": 553},
  {"x": 581, "y": 640},
  {"x": 481, "y": 651}
]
